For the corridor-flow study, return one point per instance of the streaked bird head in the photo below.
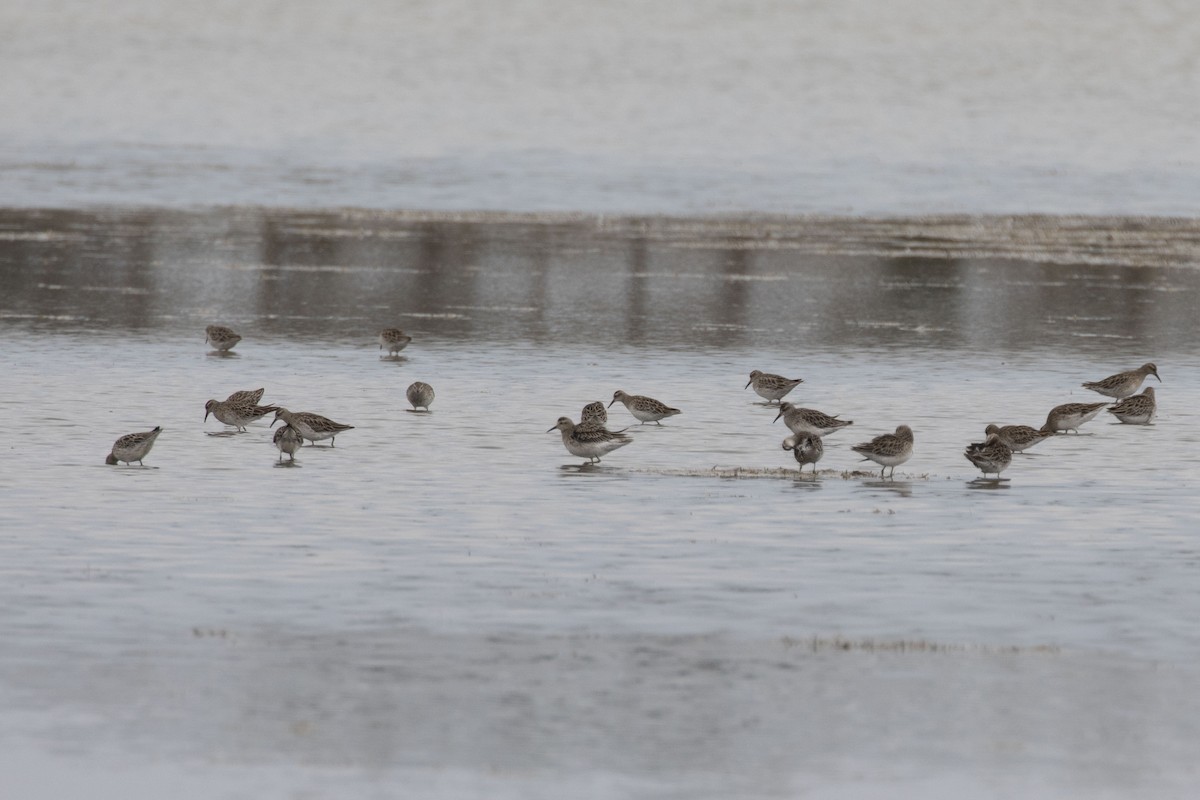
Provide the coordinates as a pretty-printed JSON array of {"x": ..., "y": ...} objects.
[{"x": 563, "y": 424}]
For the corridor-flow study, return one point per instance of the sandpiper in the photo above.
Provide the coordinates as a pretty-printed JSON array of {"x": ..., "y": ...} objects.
[
  {"x": 802, "y": 421},
  {"x": 237, "y": 413},
  {"x": 1138, "y": 409},
  {"x": 1017, "y": 437},
  {"x": 251, "y": 396},
  {"x": 593, "y": 413},
  {"x": 133, "y": 447},
  {"x": 311, "y": 426},
  {"x": 888, "y": 449},
  {"x": 589, "y": 441},
  {"x": 420, "y": 395},
  {"x": 221, "y": 338},
  {"x": 646, "y": 409},
  {"x": 771, "y": 388},
  {"x": 990, "y": 456},
  {"x": 807, "y": 449},
  {"x": 1123, "y": 384},
  {"x": 1069, "y": 416},
  {"x": 394, "y": 340},
  {"x": 288, "y": 440}
]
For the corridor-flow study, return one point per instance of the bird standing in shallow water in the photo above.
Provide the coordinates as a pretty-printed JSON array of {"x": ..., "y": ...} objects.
[
  {"x": 888, "y": 449},
  {"x": 420, "y": 395},
  {"x": 807, "y": 449},
  {"x": 133, "y": 447},
  {"x": 222, "y": 338},
  {"x": 1138, "y": 409},
  {"x": 588, "y": 441},
  {"x": 808, "y": 420},
  {"x": 990, "y": 456},
  {"x": 771, "y": 388},
  {"x": 646, "y": 409},
  {"x": 237, "y": 413},
  {"x": 394, "y": 340},
  {"x": 1123, "y": 384},
  {"x": 288, "y": 440},
  {"x": 1017, "y": 437},
  {"x": 311, "y": 426},
  {"x": 1069, "y": 416}
]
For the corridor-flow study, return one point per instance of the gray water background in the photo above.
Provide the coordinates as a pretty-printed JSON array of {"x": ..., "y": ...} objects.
[
  {"x": 573, "y": 198},
  {"x": 448, "y": 604},
  {"x": 860, "y": 108}
]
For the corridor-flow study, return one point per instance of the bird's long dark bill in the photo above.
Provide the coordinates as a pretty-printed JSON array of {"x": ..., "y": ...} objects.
[
  {"x": 272, "y": 425},
  {"x": 747, "y": 386},
  {"x": 777, "y": 416},
  {"x": 552, "y": 430},
  {"x": 610, "y": 402}
]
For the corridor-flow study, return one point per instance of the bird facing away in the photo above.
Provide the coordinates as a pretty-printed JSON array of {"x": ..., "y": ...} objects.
[
  {"x": 1069, "y": 416},
  {"x": 1138, "y": 409},
  {"x": 771, "y": 388},
  {"x": 420, "y": 395},
  {"x": 888, "y": 449},
  {"x": 133, "y": 447},
  {"x": 645, "y": 409},
  {"x": 1017, "y": 437},
  {"x": 588, "y": 441},
  {"x": 593, "y": 413},
  {"x": 808, "y": 420},
  {"x": 222, "y": 338},
  {"x": 311, "y": 426},
  {"x": 807, "y": 449},
  {"x": 394, "y": 340},
  {"x": 251, "y": 396},
  {"x": 1123, "y": 384},
  {"x": 992, "y": 455},
  {"x": 288, "y": 440}
]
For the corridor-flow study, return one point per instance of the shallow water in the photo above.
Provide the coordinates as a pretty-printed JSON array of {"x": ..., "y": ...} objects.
[{"x": 451, "y": 603}]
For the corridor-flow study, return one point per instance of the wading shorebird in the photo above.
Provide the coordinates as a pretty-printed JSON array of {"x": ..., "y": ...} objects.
[
  {"x": 1123, "y": 384},
  {"x": 588, "y": 441},
  {"x": 133, "y": 447},
  {"x": 221, "y": 338},
  {"x": 646, "y": 409},
  {"x": 771, "y": 388},
  {"x": 311, "y": 426},
  {"x": 888, "y": 450}
]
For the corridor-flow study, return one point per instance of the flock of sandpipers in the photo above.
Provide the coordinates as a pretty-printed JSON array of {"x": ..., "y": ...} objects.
[
  {"x": 591, "y": 439},
  {"x": 242, "y": 408}
]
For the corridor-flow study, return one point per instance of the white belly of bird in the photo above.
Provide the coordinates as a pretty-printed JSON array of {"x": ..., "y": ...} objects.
[
  {"x": 888, "y": 460},
  {"x": 1073, "y": 421},
  {"x": 592, "y": 449}
]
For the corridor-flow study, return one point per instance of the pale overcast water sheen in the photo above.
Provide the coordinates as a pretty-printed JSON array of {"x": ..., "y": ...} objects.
[
  {"x": 558, "y": 199},
  {"x": 449, "y": 605},
  {"x": 879, "y": 106}
]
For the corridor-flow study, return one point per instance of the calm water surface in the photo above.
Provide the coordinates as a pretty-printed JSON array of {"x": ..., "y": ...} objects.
[
  {"x": 871, "y": 107},
  {"x": 448, "y": 604}
]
